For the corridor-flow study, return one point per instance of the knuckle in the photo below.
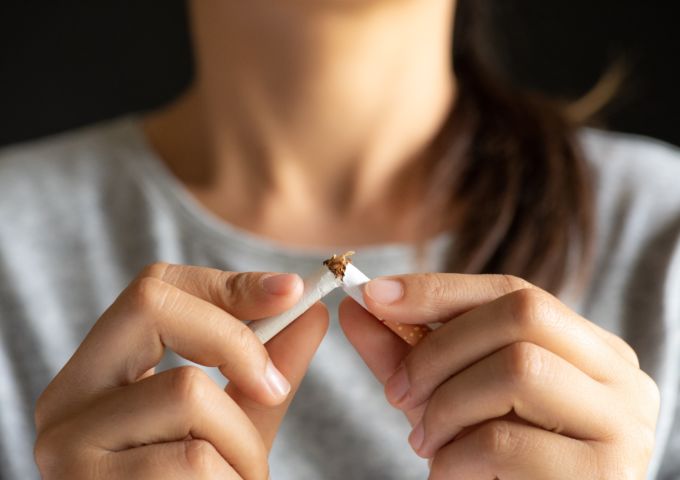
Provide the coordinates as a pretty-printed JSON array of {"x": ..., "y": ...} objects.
[
  {"x": 40, "y": 414},
  {"x": 146, "y": 294},
  {"x": 497, "y": 441},
  {"x": 249, "y": 347},
  {"x": 236, "y": 287},
  {"x": 651, "y": 388},
  {"x": 154, "y": 270},
  {"x": 624, "y": 348},
  {"x": 652, "y": 395},
  {"x": 44, "y": 453},
  {"x": 200, "y": 456},
  {"x": 527, "y": 308},
  {"x": 57, "y": 456},
  {"x": 49, "y": 454},
  {"x": 511, "y": 283},
  {"x": 632, "y": 354},
  {"x": 246, "y": 341},
  {"x": 247, "y": 351},
  {"x": 524, "y": 363},
  {"x": 189, "y": 386}
]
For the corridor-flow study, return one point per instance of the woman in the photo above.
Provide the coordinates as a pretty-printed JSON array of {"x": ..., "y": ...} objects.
[{"x": 313, "y": 126}]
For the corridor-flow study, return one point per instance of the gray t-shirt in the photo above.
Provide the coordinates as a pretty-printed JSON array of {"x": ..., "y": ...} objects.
[{"x": 81, "y": 213}]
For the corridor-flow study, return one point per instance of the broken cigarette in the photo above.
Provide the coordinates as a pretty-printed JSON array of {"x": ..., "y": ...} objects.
[
  {"x": 317, "y": 286},
  {"x": 337, "y": 271}
]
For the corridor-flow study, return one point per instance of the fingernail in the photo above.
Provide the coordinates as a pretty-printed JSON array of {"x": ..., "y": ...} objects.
[
  {"x": 417, "y": 436},
  {"x": 279, "y": 284},
  {"x": 397, "y": 386},
  {"x": 384, "y": 291},
  {"x": 276, "y": 382}
]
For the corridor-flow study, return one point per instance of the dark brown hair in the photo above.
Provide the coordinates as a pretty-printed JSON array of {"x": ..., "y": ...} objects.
[{"x": 514, "y": 170}]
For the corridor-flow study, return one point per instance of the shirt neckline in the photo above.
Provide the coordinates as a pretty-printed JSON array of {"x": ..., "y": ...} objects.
[{"x": 155, "y": 174}]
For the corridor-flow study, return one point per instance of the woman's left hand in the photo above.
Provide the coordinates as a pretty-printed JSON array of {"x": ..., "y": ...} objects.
[{"x": 513, "y": 385}]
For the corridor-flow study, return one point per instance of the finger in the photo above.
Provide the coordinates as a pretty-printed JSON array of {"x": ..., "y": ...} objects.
[
  {"x": 168, "y": 407},
  {"x": 381, "y": 349},
  {"x": 183, "y": 460},
  {"x": 246, "y": 295},
  {"x": 532, "y": 382},
  {"x": 439, "y": 297},
  {"x": 512, "y": 451},
  {"x": 292, "y": 351},
  {"x": 523, "y": 316},
  {"x": 150, "y": 315},
  {"x": 435, "y": 297}
]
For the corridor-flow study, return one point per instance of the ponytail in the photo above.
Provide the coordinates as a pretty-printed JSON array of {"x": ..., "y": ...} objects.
[{"x": 514, "y": 171}]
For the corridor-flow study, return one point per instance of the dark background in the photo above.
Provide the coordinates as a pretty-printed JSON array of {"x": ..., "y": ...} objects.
[{"x": 69, "y": 63}]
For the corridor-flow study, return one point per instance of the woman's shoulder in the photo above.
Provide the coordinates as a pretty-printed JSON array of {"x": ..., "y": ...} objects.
[
  {"x": 637, "y": 248},
  {"x": 57, "y": 170},
  {"x": 67, "y": 153},
  {"x": 53, "y": 186},
  {"x": 637, "y": 191},
  {"x": 633, "y": 167}
]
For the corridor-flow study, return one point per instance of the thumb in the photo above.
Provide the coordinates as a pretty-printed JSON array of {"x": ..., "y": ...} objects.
[{"x": 291, "y": 351}]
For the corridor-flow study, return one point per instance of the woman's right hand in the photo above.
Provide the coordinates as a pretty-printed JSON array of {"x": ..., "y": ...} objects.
[{"x": 108, "y": 415}]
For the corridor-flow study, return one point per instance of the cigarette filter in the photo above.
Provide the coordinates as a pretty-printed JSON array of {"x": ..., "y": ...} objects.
[{"x": 353, "y": 282}]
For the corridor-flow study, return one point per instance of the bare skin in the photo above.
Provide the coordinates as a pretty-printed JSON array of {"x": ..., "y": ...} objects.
[
  {"x": 308, "y": 118},
  {"x": 513, "y": 385},
  {"x": 108, "y": 415},
  {"x": 306, "y": 124}
]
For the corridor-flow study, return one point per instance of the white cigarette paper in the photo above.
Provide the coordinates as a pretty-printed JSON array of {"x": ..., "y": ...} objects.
[
  {"x": 317, "y": 286},
  {"x": 337, "y": 272},
  {"x": 353, "y": 282}
]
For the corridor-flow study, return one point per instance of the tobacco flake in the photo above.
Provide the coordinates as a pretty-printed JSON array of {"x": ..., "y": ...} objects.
[{"x": 338, "y": 263}]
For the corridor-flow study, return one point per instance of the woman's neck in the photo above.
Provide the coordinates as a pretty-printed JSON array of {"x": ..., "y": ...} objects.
[{"x": 309, "y": 113}]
